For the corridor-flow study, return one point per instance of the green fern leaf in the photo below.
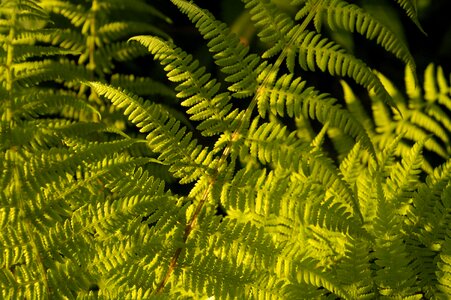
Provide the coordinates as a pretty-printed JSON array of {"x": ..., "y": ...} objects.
[
  {"x": 395, "y": 275},
  {"x": 436, "y": 87},
  {"x": 200, "y": 91},
  {"x": 76, "y": 14},
  {"x": 354, "y": 271},
  {"x": 230, "y": 55},
  {"x": 142, "y": 85},
  {"x": 351, "y": 166},
  {"x": 327, "y": 56},
  {"x": 307, "y": 271},
  {"x": 312, "y": 49},
  {"x": 444, "y": 268},
  {"x": 403, "y": 176},
  {"x": 187, "y": 160},
  {"x": 418, "y": 123},
  {"x": 31, "y": 73},
  {"x": 29, "y": 107},
  {"x": 410, "y": 7},
  {"x": 338, "y": 14},
  {"x": 277, "y": 28},
  {"x": 291, "y": 95},
  {"x": 24, "y": 52},
  {"x": 428, "y": 220},
  {"x": 265, "y": 145}
]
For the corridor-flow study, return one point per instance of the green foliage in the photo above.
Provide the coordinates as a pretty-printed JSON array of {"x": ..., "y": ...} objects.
[
  {"x": 421, "y": 116},
  {"x": 98, "y": 30},
  {"x": 269, "y": 189}
]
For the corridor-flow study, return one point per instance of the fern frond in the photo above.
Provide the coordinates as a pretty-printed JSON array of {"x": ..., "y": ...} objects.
[
  {"x": 276, "y": 27},
  {"x": 307, "y": 271},
  {"x": 438, "y": 114},
  {"x": 126, "y": 187},
  {"x": 231, "y": 240},
  {"x": 351, "y": 166},
  {"x": 111, "y": 219},
  {"x": 61, "y": 161},
  {"x": 53, "y": 199},
  {"x": 66, "y": 39},
  {"x": 59, "y": 250},
  {"x": 24, "y": 52},
  {"x": 142, "y": 85},
  {"x": 211, "y": 272},
  {"x": 356, "y": 108},
  {"x": 31, "y": 73},
  {"x": 403, "y": 176},
  {"x": 444, "y": 267},
  {"x": 100, "y": 33},
  {"x": 265, "y": 143},
  {"x": 301, "y": 290},
  {"x": 410, "y": 7},
  {"x": 36, "y": 134},
  {"x": 421, "y": 119},
  {"x": 48, "y": 133},
  {"x": 316, "y": 51},
  {"x": 429, "y": 218},
  {"x": 88, "y": 211},
  {"x": 238, "y": 193},
  {"x": 395, "y": 275},
  {"x": 205, "y": 103},
  {"x": 76, "y": 14},
  {"x": 31, "y": 105},
  {"x": 290, "y": 94},
  {"x": 339, "y": 14},
  {"x": 260, "y": 210},
  {"x": 436, "y": 87},
  {"x": 230, "y": 55},
  {"x": 333, "y": 215},
  {"x": 354, "y": 271},
  {"x": 187, "y": 160},
  {"x": 324, "y": 170},
  {"x": 429, "y": 123},
  {"x": 418, "y": 123},
  {"x": 121, "y": 51},
  {"x": 122, "y": 253},
  {"x": 312, "y": 49},
  {"x": 275, "y": 288},
  {"x": 26, "y": 9},
  {"x": 270, "y": 143},
  {"x": 367, "y": 191}
]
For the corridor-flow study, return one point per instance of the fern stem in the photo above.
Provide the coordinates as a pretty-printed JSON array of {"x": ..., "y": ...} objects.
[
  {"x": 188, "y": 229},
  {"x": 227, "y": 150}
]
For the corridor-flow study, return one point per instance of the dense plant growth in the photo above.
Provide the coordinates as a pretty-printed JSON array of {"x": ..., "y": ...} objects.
[{"x": 247, "y": 183}]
